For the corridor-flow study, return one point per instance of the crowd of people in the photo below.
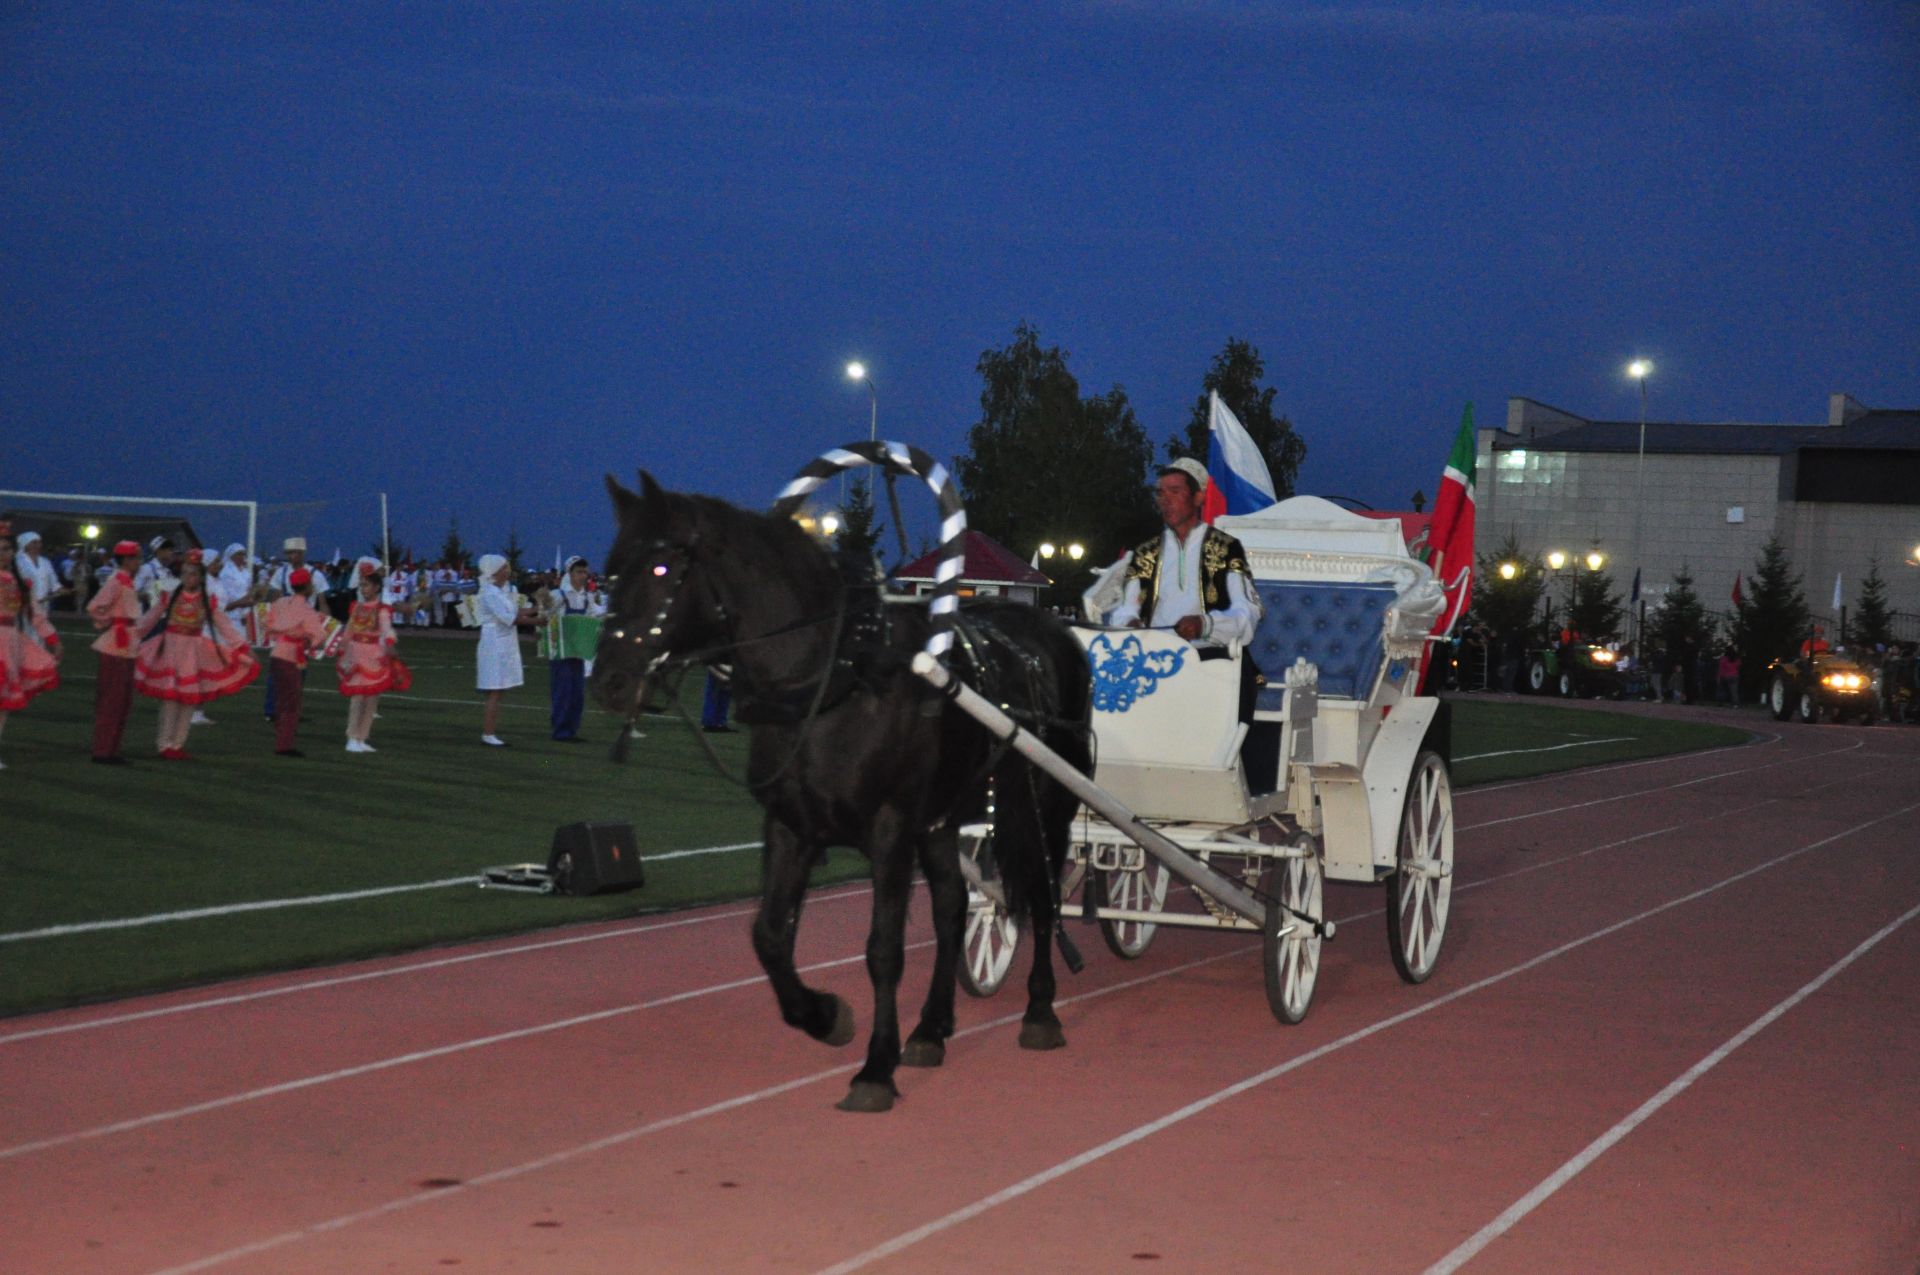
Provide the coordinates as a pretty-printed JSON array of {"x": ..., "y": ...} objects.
[{"x": 186, "y": 628}]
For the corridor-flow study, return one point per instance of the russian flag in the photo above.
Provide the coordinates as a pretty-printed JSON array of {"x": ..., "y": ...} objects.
[{"x": 1238, "y": 479}]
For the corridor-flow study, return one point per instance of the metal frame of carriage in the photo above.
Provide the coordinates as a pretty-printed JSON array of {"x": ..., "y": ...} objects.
[{"x": 1358, "y": 791}]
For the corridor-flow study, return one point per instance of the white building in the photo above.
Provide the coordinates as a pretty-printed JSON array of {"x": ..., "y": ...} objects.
[{"x": 1839, "y": 494}]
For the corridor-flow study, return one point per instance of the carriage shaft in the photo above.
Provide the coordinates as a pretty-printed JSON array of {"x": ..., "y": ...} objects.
[{"x": 1222, "y": 889}]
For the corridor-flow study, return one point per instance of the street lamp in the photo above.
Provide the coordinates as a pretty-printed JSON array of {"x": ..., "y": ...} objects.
[
  {"x": 1639, "y": 370},
  {"x": 830, "y": 524},
  {"x": 91, "y": 531},
  {"x": 857, "y": 371},
  {"x": 1508, "y": 570}
]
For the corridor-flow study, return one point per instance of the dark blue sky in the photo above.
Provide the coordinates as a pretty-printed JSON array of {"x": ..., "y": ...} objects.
[{"x": 475, "y": 254}]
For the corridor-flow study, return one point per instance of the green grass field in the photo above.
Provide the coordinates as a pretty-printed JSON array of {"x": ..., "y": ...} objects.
[{"x": 81, "y": 843}]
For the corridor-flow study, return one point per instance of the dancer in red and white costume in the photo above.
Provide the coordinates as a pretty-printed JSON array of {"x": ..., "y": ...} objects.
[
  {"x": 190, "y": 653},
  {"x": 26, "y": 667},
  {"x": 367, "y": 666}
]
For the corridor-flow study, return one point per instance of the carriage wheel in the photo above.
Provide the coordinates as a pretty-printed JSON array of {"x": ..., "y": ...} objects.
[
  {"x": 991, "y": 936},
  {"x": 1141, "y": 890},
  {"x": 1290, "y": 948},
  {"x": 1422, "y": 880}
]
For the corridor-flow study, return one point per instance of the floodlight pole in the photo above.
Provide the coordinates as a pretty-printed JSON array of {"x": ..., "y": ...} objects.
[{"x": 386, "y": 545}]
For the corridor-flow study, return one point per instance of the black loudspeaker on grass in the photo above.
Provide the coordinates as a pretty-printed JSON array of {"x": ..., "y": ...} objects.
[{"x": 595, "y": 858}]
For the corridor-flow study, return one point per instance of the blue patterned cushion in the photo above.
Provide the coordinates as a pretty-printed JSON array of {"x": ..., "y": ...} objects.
[{"x": 1336, "y": 626}]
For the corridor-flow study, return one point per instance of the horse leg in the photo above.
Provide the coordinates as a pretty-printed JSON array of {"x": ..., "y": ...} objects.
[
  {"x": 1039, "y": 1028},
  {"x": 940, "y": 862},
  {"x": 892, "y": 854},
  {"x": 785, "y": 862}
]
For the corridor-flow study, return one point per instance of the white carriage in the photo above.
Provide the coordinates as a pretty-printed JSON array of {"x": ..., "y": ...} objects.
[{"x": 1195, "y": 818}]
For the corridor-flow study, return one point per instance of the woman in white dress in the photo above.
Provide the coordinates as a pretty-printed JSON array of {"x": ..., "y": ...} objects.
[{"x": 499, "y": 655}]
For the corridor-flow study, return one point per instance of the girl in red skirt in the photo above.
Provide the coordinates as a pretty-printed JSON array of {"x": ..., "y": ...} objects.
[
  {"x": 190, "y": 654},
  {"x": 367, "y": 666},
  {"x": 26, "y": 669}
]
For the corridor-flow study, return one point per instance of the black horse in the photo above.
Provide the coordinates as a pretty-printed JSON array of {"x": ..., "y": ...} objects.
[{"x": 848, "y": 747}]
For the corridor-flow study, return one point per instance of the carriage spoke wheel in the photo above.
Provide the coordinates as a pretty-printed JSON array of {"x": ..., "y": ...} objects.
[
  {"x": 1139, "y": 890},
  {"x": 1422, "y": 880},
  {"x": 991, "y": 936},
  {"x": 1291, "y": 946}
]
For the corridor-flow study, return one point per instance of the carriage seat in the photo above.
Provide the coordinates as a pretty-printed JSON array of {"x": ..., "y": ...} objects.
[{"x": 1338, "y": 627}]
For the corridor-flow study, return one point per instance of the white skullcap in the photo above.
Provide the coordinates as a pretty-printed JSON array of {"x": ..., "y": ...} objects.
[
  {"x": 28, "y": 538},
  {"x": 294, "y": 542},
  {"x": 235, "y": 547},
  {"x": 490, "y": 564},
  {"x": 1191, "y": 468}
]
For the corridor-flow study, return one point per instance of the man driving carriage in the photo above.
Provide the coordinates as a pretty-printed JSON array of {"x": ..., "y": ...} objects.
[{"x": 1193, "y": 579}]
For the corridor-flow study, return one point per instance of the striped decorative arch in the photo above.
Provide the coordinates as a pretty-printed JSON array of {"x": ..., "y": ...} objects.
[{"x": 899, "y": 457}]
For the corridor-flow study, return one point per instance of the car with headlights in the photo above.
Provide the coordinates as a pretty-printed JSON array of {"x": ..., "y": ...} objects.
[
  {"x": 1827, "y": 685},
  {"x": 1577, "y": 668}
]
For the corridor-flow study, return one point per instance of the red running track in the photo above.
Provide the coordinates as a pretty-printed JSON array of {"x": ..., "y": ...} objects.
[{"x": 1674, "y": 1028}]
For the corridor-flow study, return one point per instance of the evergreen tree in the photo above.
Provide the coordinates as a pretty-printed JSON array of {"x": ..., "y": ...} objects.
[
  {"x": 1596, "y": 611},
  {"x": 1872, "y": 620},
  {"x": 1235, "y": 375},
  {"x": 1044, "y": 463},
  {"x": 859, "y": 530},
  {"x": 1774, "y": 618},
  {"x": 452, "y": 552},
  {"x": 1508, "y": 608},
  {"x": 1681, "y": 621},
  {"x": 513, "y": 550}
]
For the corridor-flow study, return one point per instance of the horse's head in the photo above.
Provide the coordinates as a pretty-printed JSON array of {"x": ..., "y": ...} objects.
[{"x": 655, "y": 610}]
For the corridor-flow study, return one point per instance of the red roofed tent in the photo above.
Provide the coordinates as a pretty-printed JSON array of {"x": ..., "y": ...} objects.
[{"x": 989, "y": 569}]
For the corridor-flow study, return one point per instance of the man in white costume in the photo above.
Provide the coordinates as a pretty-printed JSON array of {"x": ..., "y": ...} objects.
[{"x": 37, "y": 569}]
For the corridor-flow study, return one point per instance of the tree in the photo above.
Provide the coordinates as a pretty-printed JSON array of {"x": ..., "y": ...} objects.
[
  {"x": 1872, "y": 619},
  {"x": 1508, "y": 608},
  {"x": 859, "y": 531},
  {"x": 1044, "y": 463},
  {"x": 1681, "y": 621},
  {"x": 402, "y": 553},
  {"x": 513, "y": 550},
  {"x": 452, "y": 552},
  {"x": 1774, "y": 618},
  {"x": 1235, "y": 375},
  {"x": 1596, "y": 612}
]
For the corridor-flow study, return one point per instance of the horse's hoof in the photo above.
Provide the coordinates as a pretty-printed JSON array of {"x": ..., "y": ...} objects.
[
  {"x": 1042, "y": 1036},
  {"x": 842, "y": 1030},
  {"x": 922, "y": 1053},
  {"x": 869, "y": 1097}
]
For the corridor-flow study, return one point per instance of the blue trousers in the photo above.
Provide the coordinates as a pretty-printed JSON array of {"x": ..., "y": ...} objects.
[
  {"x": 714, "y": 706},
  {"x": 567, "y": 686}
]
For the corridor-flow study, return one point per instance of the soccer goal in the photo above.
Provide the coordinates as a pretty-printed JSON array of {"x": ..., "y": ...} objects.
[{"x": 95, "y": 519}]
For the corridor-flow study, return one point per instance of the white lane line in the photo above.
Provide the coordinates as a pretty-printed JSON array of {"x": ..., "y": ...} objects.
[
  {"x": 1643, "y": 792},
  {"x": 1601, "y": 1145},
  {"x": 640, "y": 1131},
  {"x": 230, "y": 909},
  {"x": 1033, "y": 1183},
  {"x": 309, "y": 900},
  {"x": 402, "y": 1060},
  {"x": 415, "y": 967},
  {"x": 1550, "y": 748}
]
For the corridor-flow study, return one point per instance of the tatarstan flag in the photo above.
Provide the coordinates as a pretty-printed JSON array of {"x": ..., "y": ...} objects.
[{"x": 1450, "y": 538}]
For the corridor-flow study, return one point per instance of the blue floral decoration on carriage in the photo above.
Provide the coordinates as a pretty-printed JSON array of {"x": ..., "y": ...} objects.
[{"x": 1128, "y": 672}]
